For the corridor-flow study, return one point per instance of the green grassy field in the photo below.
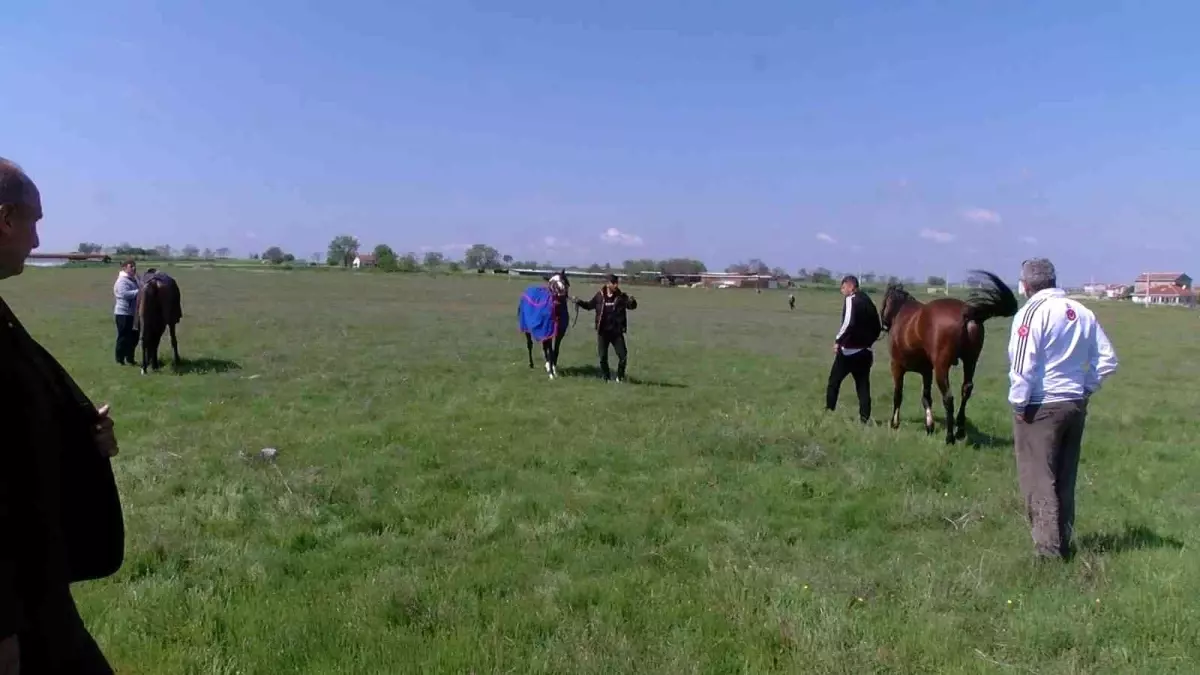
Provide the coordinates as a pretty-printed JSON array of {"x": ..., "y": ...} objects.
[{"x": 436, "y": 506}]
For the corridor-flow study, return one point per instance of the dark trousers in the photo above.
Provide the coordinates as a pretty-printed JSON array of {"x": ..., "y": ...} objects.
[
  {"x": 857, "y": 365},
  {"x": 617, "y": 341},
  {"x": 1047, "y": 442},
  {"x": 127, "y": 339}
]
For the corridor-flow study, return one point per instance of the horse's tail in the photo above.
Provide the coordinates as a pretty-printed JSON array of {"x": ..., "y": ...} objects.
[{"x": 994, "y": 299}]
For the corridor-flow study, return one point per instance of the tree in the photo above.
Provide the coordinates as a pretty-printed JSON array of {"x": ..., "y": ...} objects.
[
  {"x": 385, "y": 257},
  {"x": 935, "y": 281},
  {"x": 780, "y": 273},
  {"x": 222, "y": 252},
  {"x": 190, "y": 251},
  {"x": 342, "y": 250},
  {"x": 434, "y": 260},
  {"x": 288, "y": 258},
  {"x": 507, "y": 259},
  {"x": 407, "y": 263},
  {"x": 681, "y": 267},
  {"x": 821, "y": 276},
  {"x": 315, "y": 258},
  {"x": 481, "y": 256},
  {"x": 162, "y": 251},
  {"x": 634, "y": 267},
  {"x": 207, "y": 254},
  {"x": 89, "y": 247},
  {"x": 454, "y": 266},
  {"x": 274, "y": 255}
]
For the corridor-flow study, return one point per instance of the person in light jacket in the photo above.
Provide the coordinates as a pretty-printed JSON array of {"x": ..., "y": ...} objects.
[
  {"x": 125, "y": 290},
  {"x": 1058, "y": 357}
]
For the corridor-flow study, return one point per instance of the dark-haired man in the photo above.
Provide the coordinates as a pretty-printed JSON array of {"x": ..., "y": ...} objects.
[
  {"x": 852, "y": 347},
  {"x": 610, "y": 304}
]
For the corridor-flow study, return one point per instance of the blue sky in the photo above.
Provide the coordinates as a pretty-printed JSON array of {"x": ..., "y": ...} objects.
[{"x": 896, "y": 137}]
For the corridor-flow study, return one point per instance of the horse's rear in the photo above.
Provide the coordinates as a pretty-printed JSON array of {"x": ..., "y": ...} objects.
[
  {"x": 159, "y": 310},
  {"x": 930, "y": 338}
]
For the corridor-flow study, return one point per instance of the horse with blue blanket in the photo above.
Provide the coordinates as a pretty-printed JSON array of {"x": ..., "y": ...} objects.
[{"x": 542, "y": 315}]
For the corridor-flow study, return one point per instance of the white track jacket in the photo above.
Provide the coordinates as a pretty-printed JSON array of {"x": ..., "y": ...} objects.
[{"x": 1057, "y": 351}]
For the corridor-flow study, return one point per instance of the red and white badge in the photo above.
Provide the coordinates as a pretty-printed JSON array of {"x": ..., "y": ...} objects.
[
  {"x": 1023, "y": 331},
  {"x": 1070, "y": 314}
]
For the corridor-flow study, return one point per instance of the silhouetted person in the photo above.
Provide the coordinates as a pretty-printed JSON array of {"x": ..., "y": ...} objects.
[{"x": 60, "y": 514}]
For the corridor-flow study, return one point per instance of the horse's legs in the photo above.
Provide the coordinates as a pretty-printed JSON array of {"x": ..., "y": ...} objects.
[
  {"x": 897, "y": 392},
  {"x": 529, "y": 348},
  {"x": 145, "y": 349},
  {"x": 154, "y": 362},
  {"x": 942, "y": 374},
  {"x": 548, "y": 354},
  {"x": 554, "y": 355},
  {"x": 927, "y": 399},
  {"x": 174, "y": 346},
  {"x": 968, "y": 385}
]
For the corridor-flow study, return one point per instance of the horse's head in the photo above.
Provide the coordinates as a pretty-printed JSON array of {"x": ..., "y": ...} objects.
[
  {"x": 894, "y": 298},
  {"x": 559, "y": 284}
]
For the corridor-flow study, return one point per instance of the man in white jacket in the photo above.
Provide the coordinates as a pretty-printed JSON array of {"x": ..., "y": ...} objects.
[{"x": 1058, "y": 357}]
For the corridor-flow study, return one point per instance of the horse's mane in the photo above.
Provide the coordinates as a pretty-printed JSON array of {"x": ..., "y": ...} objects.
[{"x": 898, "y": 290}]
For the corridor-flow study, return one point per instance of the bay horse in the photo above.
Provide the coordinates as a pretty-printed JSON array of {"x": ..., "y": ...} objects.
[
  {"x": 542, "y": 314},
  {"x": 159, "y": 309},
  {"x": 931, "y": 337}
]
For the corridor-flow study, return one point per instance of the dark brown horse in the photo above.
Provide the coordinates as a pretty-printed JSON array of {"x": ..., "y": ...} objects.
[
  {"x": 931, "y": 337},
  {"x": 159, "y": 308}
]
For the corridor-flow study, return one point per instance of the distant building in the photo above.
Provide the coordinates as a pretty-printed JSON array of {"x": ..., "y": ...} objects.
[
  {"x": 1150, "y": 280},
  {"x": 1109, "y": 291},
  {"x": 364, "y": 260}
]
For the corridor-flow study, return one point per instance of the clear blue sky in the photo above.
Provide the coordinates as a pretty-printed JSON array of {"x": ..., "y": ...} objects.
[{"x": 900, "y": 137}]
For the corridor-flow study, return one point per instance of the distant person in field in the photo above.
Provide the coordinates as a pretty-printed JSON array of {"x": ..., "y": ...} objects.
[
  {"x": 60, "y": 513},
  {"x": 1058, "y": 357},
  {"x": 610, "y": 304},
  {"x": 791, "y": 301},
  {"x": 853, "y": 354},
  {"x": 125, "y": 290}
]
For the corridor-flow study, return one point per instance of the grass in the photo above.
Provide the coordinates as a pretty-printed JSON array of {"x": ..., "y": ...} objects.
[{"x": 436, "y": 506}]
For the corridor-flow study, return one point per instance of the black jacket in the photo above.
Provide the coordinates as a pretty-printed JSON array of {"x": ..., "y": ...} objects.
[
  {"x": 610, "y": 310},
  {"x": 862, "y": 327},
  {"x": 58, "y": 503}
]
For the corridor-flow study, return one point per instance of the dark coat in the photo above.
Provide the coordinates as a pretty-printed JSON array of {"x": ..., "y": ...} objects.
[
  {"x": 58, "y": 503},
  {"x": 610, "y": 310}
]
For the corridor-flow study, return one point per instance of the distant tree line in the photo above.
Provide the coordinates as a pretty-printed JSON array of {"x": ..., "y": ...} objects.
[{"x": 344, "y": 248}]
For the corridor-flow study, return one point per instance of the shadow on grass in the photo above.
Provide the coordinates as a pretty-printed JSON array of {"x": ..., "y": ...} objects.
[
  {"x": 594, "y": 371},
  {"x": 204, "y": 366},
  {"x": 1134, "y": 538},
  {"x": 979, "y": 439}
]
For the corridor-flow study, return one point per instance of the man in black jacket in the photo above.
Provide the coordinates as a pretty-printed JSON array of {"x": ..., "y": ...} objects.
[
  {"x": 60, "y": 513},
  {"x": 852, "y": 347},
  {"x": 610, "y": 303}
]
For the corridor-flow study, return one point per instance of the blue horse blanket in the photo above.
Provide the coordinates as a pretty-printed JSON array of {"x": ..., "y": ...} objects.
[{"x": 536, "y": 313}]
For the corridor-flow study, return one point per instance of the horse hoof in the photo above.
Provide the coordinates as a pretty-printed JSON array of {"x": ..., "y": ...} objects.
[{"x": 143, "y": 371}]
